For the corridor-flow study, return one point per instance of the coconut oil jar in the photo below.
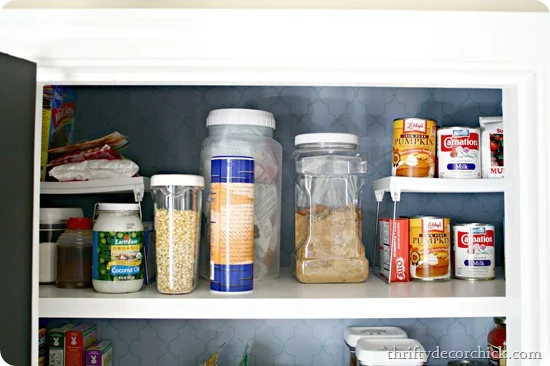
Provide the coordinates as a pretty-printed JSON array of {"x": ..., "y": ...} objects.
[{"x": 118, "y": 264}]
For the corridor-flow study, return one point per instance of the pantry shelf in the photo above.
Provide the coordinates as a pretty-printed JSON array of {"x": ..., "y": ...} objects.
[
  {"x": 286, "y": 298},
  {"x": 136, "y": 185},
  {"x": 397, "y": 185}
]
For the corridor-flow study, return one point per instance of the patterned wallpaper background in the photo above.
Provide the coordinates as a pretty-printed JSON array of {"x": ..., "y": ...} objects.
[
  {"x": 272, "y": 342},
  {"x": 166, "y": 125}
]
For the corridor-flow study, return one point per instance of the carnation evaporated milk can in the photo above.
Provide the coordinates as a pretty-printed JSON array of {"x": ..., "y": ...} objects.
[
  {"x": 232, "y": 224},
  {"x": 414, "y": 152},
  {"x": 474, "y": 250},
  {"x": 458, "y": 152},
  {"x": 430, "y": 248}
]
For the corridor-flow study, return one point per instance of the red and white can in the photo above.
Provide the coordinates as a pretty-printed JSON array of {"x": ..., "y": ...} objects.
[
  {"x": 474, "y": 251},
  {"x": 458, "y": 153}
]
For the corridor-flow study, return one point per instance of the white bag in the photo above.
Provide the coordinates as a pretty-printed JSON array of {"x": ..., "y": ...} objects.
[{"x": 94, "y": 170}]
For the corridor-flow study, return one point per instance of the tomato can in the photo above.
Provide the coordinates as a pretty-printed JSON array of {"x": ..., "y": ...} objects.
[
  {"x": 474, "y": 251},
  {"x": 414, "y": 153},
  {"x": 430, "y": 248},
  {"x": 458, "y": 153},
  {"x": 496, "y": 342}
]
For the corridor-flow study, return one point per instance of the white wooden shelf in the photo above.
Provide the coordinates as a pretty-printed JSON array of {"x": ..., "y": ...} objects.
[
  {"x": 397, "y": 185},
  {"x": 286, "y": 298},
  {"x": 136, "y": 185}
]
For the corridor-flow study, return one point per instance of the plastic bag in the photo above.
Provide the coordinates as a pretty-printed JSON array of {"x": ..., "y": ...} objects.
[
  {"x": 213, "y": 360},
  {"x": 244, "y": 359},
  {"x": 94, "y": 170},
  {"x": 104, "y": 152}
]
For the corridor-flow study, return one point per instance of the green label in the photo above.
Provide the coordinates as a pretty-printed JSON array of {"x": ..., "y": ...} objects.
[{"x": 118, "y": 256}]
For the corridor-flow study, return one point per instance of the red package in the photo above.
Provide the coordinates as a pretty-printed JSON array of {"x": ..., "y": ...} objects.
[{"x": 105, "y": 152}]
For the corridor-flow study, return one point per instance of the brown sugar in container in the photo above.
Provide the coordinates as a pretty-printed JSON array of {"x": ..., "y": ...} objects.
[{"x": 414, "y": 147}]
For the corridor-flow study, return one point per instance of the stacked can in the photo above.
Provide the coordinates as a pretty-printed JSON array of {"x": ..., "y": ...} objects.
[{"x": 232, "y": 224}]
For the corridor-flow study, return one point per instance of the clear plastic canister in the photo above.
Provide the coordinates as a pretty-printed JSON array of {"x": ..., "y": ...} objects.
[
  {"x": 74, "y": 254},
  {"x": 330, "y": 174},
  {"x": 53, "y": 222},
  {"x": 353, "y": 334},
  {"x": 177, "y": 202},
  {"x": 247, "y": 132}
]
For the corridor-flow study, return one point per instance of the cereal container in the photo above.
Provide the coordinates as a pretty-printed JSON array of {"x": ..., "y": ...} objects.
[
  {"x": 177, "y": 202},
  {"x": 353, "y": 334}
]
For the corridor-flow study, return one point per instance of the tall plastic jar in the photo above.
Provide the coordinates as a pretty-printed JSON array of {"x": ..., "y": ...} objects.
[
  {"x": 118, "y": 263},
  {"x": 74, "y": 254},
  {"x": 177, "y": 201},
  {"x": 247, "y": 132},
  {"x": 53, "y": 222},
  {"x": 330, "y": 174}
]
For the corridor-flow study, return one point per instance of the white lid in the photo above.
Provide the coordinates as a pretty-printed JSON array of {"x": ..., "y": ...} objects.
[
  {"x": 59, "y": 214},
  {"x": 319, "y": 138},
  {"x": 483, "y": 120},
  {"x": 118, "y": 206},
  {"x": 353, "y": 334},
  {"x": 390, "y": 352},
  {"x": 236, "y": 116},
  {"x": 163, "y": 180}
]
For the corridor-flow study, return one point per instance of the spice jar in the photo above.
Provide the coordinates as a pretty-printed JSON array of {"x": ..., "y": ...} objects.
[
  {"x": 177, "y": 201},
  {"x": 118, "y": 265},
  {"x": 353, "y": 334},
  {"x": 330, "y": 173},
  {"x": 496, "y": 340},
  {"x": 247, "y": 132},
  {"x": 74, "y": 254}
]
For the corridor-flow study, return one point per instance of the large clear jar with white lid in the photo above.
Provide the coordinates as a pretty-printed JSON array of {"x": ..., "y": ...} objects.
[
  {"x": 247, "y": 132},
  {"x": 118, "y": 263},
  {"x": 330, "y": 174}
]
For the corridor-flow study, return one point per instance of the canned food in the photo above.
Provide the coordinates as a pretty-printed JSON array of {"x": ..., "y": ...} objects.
[
  {"x": 474, "y": 251},
  {"x": 458, "y": 152},
  {"x": 414, "y": 150},
  {"x": 430, "y": 248}
]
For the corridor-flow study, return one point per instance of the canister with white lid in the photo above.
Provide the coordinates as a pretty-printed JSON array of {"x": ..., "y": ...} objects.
[
  {"x": 390, "y": 352},
  {"x": 53, "y": 222},
  {"x": 118, "y": 263},
  {"x": 177, "y": 200},
  {"x": 353, "y": 334}
]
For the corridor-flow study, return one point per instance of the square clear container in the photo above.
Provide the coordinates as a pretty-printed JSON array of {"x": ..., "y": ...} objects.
[
  {"x": 353, "y": 334},
  {"x": 390, "y": 352},
  {"x": 177, "y": 202}
]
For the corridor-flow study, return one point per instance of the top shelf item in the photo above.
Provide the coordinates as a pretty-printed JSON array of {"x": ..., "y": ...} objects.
[
  {"x": 137, "y": 185},
  {"x": 397, "y": 185}
]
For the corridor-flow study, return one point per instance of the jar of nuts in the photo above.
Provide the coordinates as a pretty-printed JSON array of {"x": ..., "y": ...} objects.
[{"x": 177, "y": 201}]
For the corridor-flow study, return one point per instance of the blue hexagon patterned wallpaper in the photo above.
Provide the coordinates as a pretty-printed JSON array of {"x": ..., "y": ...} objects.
[{"x": 166, "y": 126}]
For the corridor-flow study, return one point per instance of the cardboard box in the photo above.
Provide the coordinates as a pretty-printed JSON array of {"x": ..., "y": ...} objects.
[
  {"x": 149, "y": 253},
  {"x": 58, "y": 111},
  {"x": 56, "y": 345},
  {"x": 394, "y": 251},
  {"x": 100, "y": 354},
  {"x": 78, "y": 339}
]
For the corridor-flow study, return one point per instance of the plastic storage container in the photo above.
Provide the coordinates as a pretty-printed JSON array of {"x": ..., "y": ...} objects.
[
  {"x": 353, "y": 334},
  {"x": 390, "y": 352},
  {"x": 330, "y": 174},
  {"x": 247, "y": 132},
  {"x": 177, "y": 201},
  {"x": 53, "y": 222},
  {"x": 74, "y": 254},
  {"x": 118, "y": 264}
]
